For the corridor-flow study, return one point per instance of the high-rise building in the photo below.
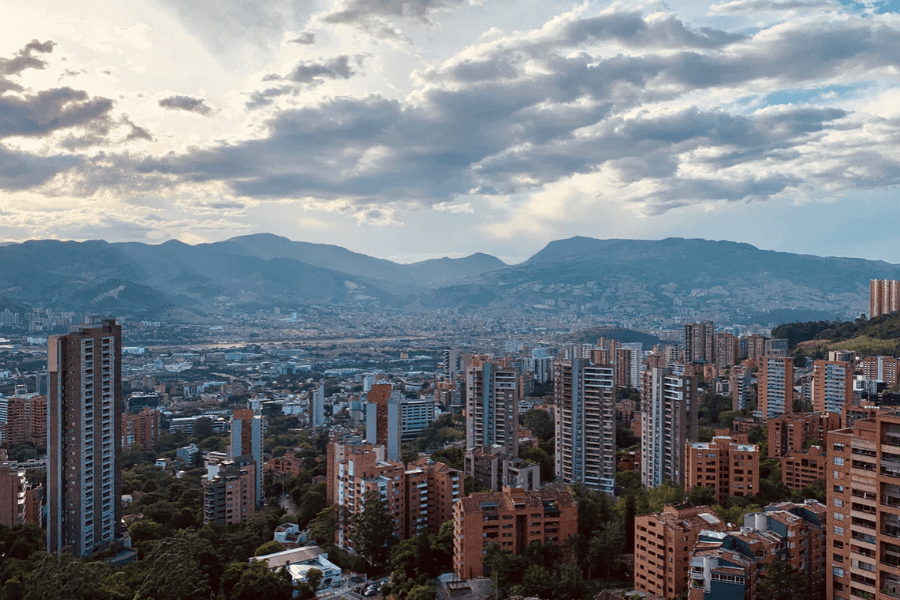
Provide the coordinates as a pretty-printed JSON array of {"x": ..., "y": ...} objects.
[
  {"x": 12, "y": 494},
  {"x": 141, "y": 428},
  {"x": 725, "y": 465},
  {"x": 727, "y": 350},
  {"x": 27, "y": 420},
  {"x": 84, "y": 416},
  {"x": 392, "y": 419},
  {"x": 492, "y": 407},
  {"x": 586, "y": 423},
  {"x": 793, "y": 432},
  {"x": 832, "y": 386},
  {"x": 662, "y": 546},
  {"x": 246, "y": 446},
  {"x": 884, "y": 297},
  {"x": 317, "y": 410},
  {"x": 776, "y": 386},
  {"x": 881, "y": 368},
  {"x": 777, "y": 347},
  {"x": 863, "y": 491},
  {"x": 229, "y": 491},
  {"x": 741, "y": 387},
  {"x": 754, "y": 346},
  {"x": 513, "y": 518},
  {"x": 494, "y": 469},
  {"x": 628, "y": 365},
  {"x": 669, "y": 408},
  {"x": 699, "y": 342}
]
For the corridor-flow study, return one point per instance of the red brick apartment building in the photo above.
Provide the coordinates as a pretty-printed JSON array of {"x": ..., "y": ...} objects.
[
  {"x": 725, "y": 465},
  {"x": 789, "y": 433},
  {"x": 514, "y": 518},
  {"x": 662, "y": 547},
  {"x": 141, "y": 428},
  {"x": 863, "y": 489},
  {"x": 26, "y": 421}
]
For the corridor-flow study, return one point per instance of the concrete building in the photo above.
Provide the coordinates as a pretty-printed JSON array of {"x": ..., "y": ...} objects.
[
  {"x": 669, "y": 407},
  {"x": 726, "y": 565},
  {"x": 881, "y": 368},
  {"x": 494, "y": 469},
  {"x": 585, "y": 423},
  {"x": 317, "y": 413},
  {"x": 699, "y": 342},
  {"x": 863, "y": 487},
  {"x": 741, "y": 387},
  {"x": 12, "y": 494},
  {"x": 513, "y": 518},
  {"x": 662, "y": 546},
  {"x": 300, "y": 561},
  {"x": 84, "y": 411},
  {"x": 790, "y": 433},
  {"x": 141, "y": 428},
  {"x": 26, "y": 421},
  {"x": 884, "y": 297},
  {"x": 246, "y": 446},
  {"x": 777, "y": 347},
  {"x": 832, "y": 386},
  {"x": 776, "y": 386},
  {"x": 725, "y": 465},
  {"x": 492, "y": 406},
  {"x": 392, "y": 419},
  {"x": 628, "y": 365},
  {"x": 229, "y": 492},
  {"x": 753, "y": 346}
]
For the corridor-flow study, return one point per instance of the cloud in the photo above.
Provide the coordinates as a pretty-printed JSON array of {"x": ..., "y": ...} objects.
[
  {"x": 25, "y": 58},
  {"x": 762, "y": 6},
  {"x": 197, "y": 105},
  {"x": 20, "y": 170},
  {"x": 313, "y": 74},
  {"x": 368, "y": 13},
  {"x": 42, "y": 113},
  {"x": 305, "y": 38}
]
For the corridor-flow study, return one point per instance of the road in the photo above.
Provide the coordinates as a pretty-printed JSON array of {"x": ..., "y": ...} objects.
[{"x": 285, "y": 502}]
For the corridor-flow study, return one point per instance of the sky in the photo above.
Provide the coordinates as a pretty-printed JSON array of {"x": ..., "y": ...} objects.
[{"x": 415, "y": 129}]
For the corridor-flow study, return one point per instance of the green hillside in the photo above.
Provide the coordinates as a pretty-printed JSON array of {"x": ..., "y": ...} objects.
[{"x": 880, "y": 335}]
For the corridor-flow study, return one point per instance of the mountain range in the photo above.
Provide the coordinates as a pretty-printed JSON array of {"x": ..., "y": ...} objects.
[{"x": 623, "y": 280}]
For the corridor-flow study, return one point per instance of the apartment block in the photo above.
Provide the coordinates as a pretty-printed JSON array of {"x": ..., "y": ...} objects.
[
  {"x": 863, "y": 486},
  {"x": 662, "y": 547},
  {"x": 832, "y": 386},
  {"x": 884, "y": 297},
  {"x": 754, "y": 347},
  {"x": 229, "y": 492},
  {"x": 802, "y": 468},
  {"x": 727, "y": 350},
  {"x": 776, "y": 386},
  {"x": 492, "y": 406},
  {"x": 669, "y": 406},
  {"x": 84, "y": 421},
  {"x": 699, "y": 342},
  {"x": 881, "y": 368},
  {"x": 246, "y": 446},
  {"x": 419, "y": 496},
  {"x": 513, "y": 518},
  {"x": 585, "y": 424},
  {"x": 141, "y": 428},
  {"x": 26, "y": 421},
  {"x": 725, "y": 465},
  {"x": 494, "y": 469},
  {"x": 12, "y": 494},
  {"x": 728, "y": 564},
  {"x": 628, "y": 365},
  {"x": 790, "y": 433},
  {"x": 741, "y": 387},
  {"x": 392, "y": 419}
]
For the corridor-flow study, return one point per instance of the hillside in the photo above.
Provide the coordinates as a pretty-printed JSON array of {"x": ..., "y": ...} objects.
[{"x": 880, "y": 335}]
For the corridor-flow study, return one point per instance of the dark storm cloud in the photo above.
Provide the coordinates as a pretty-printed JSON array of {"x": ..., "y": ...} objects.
[{"x": 187, "y": 103}]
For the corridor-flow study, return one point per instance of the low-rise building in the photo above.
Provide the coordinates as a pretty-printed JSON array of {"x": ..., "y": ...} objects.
[
  {"x": 300, "y": 561},
  {"x": 662, "y": 547},
  {"x": 513, "y": 518},
  {"x": 494, "y": 469}
]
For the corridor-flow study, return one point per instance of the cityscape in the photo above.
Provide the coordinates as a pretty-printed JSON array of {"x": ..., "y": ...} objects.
[
  {"x": 450, "y": 300},
  {"x": 707, "y": 465}
]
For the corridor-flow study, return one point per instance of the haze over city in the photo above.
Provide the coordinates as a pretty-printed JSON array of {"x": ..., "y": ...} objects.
[{"x": 418, "y": 129}]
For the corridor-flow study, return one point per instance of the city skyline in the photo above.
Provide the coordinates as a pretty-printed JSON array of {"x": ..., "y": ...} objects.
[{"x": 413, "y": 130}]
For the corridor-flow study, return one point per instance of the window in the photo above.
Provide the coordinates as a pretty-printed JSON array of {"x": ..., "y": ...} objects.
[
  {"x": 838, "y": 530},
  {"x": 839, "y": 461},
  {"x": 838, "y": 502}
]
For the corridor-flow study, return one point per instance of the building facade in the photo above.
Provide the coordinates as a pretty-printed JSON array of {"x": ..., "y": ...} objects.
[
  {"x": 229, "y": 492},
  {"x": 793, "y": 432},
  {"x": 141, "y": 428},
  {"x": 513, "y": 518},
  {"x": 246, "y": 446},
  {"x": 492, "y": 406},
  {"x": 84, "y": 410},
  {"x": 863, "y": 488},
  {"x": 832, "y": 386},
  {"x": 881, "y": 368},
  {"x": 699, "y": 342},
  {"x": 884, "y": 297},
  {"x": 26, "y": 421},
  {"x": 776, "y": 386},
  {"x": 725, "y": 465},
  {"x": 585, "y": 423},
  {"x": 668, "y": 421}
]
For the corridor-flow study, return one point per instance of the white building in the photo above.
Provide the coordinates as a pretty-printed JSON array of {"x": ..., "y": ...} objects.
[{"x": 300, "y": 561}]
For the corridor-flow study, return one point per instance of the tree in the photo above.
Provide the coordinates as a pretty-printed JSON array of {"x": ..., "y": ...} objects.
[
  {"x": 322, "y": 528},
  {"x": 701, "y": 495},
  {"x": 258, "y": 581},
  {"x": 372, "y": 531},
  {"x": 270, "y": 547},
  {"x": 180, "y": 568},
  {"x": 314, "y": 579},
  {"x": 781, "y": 581}
]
